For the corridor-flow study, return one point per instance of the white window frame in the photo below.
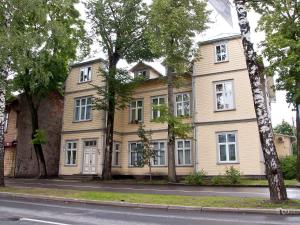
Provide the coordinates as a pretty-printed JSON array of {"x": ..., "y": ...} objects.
[
  {"x": 223, "y": 92},
  {"x": 159, "y": 104},
  {"x": 85, "y": 74},
  {"x": 80, "y": 108},
  {"x": 221, "y": 53},
  {"x": 143, "y": 73},
  {"x": 182, "y": 104},
  {"x": 226, "y": 144},
  {"x": 159, "y": 150},
  {"x": 115, "y": 153},
  {"x": 131, "y": 150},
  {"x": 72, "y": 150},
  {"x": 184, "y": 149},
  {"x": 136, "y": 108}
]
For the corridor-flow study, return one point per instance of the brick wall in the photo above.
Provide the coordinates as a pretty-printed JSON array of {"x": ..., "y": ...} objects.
[{"x": 50, "y": 120}]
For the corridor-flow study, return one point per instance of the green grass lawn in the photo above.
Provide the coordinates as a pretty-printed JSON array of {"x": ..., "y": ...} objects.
[
  {"x": 204, "y": 201},
  {"x": 244, "y": 182}
]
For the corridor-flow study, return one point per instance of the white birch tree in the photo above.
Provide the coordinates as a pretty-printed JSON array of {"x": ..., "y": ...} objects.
[{"x": 273, "y": 170}]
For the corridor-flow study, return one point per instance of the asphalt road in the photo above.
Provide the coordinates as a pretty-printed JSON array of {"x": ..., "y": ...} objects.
[
  {"x": 293, "y": 193},
  {"x": 14, "y": 211}
]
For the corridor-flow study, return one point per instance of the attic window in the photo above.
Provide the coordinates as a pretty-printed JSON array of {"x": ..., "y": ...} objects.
[
  {"x": 85, "y": 74},
  {"x": 221, "y": 52},
  {"x": 142, "y": 73}
]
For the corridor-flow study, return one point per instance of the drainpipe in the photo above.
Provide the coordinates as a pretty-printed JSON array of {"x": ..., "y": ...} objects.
[{"x": 196, "y": 161}]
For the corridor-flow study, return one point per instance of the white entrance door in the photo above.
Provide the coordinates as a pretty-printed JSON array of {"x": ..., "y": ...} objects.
[{"x": 89, "y": 157}]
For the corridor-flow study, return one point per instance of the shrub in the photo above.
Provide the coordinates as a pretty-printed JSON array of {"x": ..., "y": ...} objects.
[
  {"x": 219, "y": 180},
  {"x": 195, "y": 177},
  {"x": 233, "y": 175},
  {"x": 288, "y": 166}
]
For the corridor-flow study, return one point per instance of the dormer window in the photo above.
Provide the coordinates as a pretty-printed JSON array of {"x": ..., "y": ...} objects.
[
  {"x": 141, "y": 73},
  {"x": 85, "y": 74},
  {"x": 221, "y": 52}
]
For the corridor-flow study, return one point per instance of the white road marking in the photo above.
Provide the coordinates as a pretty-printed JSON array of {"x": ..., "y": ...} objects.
[
  {"x": 144, "y": 189},
  {"x": 42, "y": 221},
  {"x": 172, "y": 216}
]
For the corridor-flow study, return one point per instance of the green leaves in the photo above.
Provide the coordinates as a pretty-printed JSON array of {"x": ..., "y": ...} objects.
[
  {"x": 43, "y": 38},
  {"x": 280, "y": 22},
  {"x": 173, "y": 25},
  {"x": 179, "y": 128},
  {"x": 123, "y": 85},
  {"x": 39, "y": 137},
  {"x": 121, "y": 26},
  {"x": 284, "y": 128}
]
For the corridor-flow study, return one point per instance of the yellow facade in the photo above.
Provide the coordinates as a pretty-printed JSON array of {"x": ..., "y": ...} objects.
[{"x": 210, "y": 124}]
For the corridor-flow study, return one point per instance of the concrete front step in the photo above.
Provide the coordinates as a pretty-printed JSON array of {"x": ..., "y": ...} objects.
[{"x": 86, "y": 177}]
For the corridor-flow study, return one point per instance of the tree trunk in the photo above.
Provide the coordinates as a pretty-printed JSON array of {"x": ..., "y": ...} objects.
[
  {"x": 273, "y": 170},
  {"x": 171, "y": 135},
  {"x": 2, "y": 122},
  {"x": 37, "y": 147},
  {"x": 150, "y": 171},
  {"x": 109, "y": 136},
  {"x": 298, "y": 129}
]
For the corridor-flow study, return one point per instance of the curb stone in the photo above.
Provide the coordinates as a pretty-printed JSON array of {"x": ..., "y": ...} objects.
[{"x": 278, "y": 211}]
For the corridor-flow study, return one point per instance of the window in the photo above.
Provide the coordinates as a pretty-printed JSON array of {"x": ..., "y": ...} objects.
[
  {"x": 159, "y": 148},
  {"x": 157, "y": 101},
  {"x": 116, "y": 154},
  {"x": 71, "y": 148},
  {"x": 90, "y": 143},
  {"x": 135, "y": 153},
  {"x": 85, "y": 74},
  {"x": 227, "y": 149},
  {"x": 221, "y": 52},
  {"x": 184, "y": 152},
  {"x": 183, "y": 104},
  {"x": 142, "y": 73},
  {"x": 136, "y": 111},
  {"x": 224, "y": 95},
  {"x": 83, "y": 108},
  {"x": 5, "y": 122}
]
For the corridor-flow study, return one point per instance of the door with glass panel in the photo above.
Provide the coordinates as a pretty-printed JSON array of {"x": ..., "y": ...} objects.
[{"x": 89, "y": 157}]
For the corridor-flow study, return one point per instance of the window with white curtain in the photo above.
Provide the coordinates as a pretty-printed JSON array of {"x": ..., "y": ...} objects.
[
  {"x": 83, "y": 109},
  {"x": 221, "y": 54},
  {"x": 71, "y": 150},
  {"x": 184, "y": 152},
  {"x": 159, "y": 148},
  {"x": 85, "y": 74},
  {"x": 183, "y": 104},
  {"x": 224, "y": 98},
  {"x": 136, "y": 111}
]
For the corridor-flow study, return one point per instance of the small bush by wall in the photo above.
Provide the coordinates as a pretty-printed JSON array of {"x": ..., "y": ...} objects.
[
  {"x": 288, "y": 166},
  {"x": 195, "y": 177},
  {"x": 233, "y": 175}
]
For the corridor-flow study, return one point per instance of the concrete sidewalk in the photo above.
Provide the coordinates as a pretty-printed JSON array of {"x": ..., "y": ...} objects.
[{"x": 293, "y": 193}]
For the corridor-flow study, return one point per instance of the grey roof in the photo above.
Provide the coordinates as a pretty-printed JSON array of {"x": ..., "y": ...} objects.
[
  {"x": 87, "y": 61},
  {"x": 220, "y": 37}
]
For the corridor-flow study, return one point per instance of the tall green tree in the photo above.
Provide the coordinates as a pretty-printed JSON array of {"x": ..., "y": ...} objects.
[
  {"x": 6, "y": 46},
  {"x": 284, "y": 128},
  {"x": 280, "y": 22},
  {"x": 173, "y": 26},
  {"x": 120, "y": 27},
  {"x": 273, "y": 169},
  {"x": 46, "y": 34}
]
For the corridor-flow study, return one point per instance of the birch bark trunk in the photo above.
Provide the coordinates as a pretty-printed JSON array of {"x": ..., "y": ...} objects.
[
  {"x": 273, "y": 170},
  {"x": 2, "y": 122}
]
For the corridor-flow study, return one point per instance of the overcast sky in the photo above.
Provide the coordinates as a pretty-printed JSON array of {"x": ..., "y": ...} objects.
[{"x": 280, "y": 109}]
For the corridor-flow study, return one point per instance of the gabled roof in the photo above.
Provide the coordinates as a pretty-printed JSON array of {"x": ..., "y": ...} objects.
[
  {"x": 145, "y": 65},
  {"x": 87, "y": 61},
  {"x": 220, "y": 37}
]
